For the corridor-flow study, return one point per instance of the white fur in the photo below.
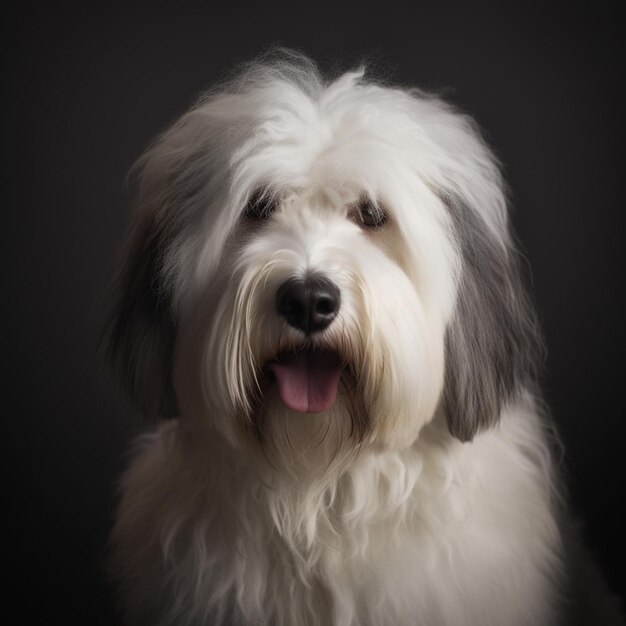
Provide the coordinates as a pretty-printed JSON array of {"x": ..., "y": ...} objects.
[
  {"x": 437, "y": 533},
  {"x": 306, "y": 524}
]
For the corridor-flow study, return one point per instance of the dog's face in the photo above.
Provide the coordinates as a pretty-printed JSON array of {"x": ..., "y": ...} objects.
[
  {"x": 318, "y": 264},
  {"x": 318, "y": 308}
]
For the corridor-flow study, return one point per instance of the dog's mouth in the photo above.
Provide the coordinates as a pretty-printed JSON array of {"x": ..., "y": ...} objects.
[{"x": 307, "y": 379}]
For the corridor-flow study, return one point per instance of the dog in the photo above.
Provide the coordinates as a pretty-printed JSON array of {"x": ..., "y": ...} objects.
[{"x": 321, "y": 289}]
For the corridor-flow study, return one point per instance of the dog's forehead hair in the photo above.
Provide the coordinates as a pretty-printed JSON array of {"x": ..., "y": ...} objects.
[{"x": 321, "y": 198}]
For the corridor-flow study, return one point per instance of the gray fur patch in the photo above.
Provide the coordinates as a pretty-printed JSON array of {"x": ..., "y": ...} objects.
[
  {"x": 492, "y": 343},
  {"x": 140, "y": 328}
]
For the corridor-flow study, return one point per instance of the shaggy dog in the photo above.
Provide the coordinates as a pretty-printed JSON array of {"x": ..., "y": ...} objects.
[{"x": 321, "y": 288}]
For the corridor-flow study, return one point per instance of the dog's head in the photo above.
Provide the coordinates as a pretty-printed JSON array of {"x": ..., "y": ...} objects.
[{"x": 318, "y": 260}]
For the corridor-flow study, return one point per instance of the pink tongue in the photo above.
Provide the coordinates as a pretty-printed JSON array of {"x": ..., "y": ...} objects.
[{"x": 307, "y": 380}]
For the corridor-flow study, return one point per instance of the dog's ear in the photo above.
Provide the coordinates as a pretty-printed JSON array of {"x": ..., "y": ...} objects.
[
  {"x": 492, "y": 341},
  {"x": 179, "y": 179},
  {"x": 140, "y": 328}
]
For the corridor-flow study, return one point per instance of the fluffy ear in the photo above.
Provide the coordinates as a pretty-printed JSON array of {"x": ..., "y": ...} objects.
[
  {"x": 180, "y": 181},
  {"x": 140, "y": 328},
  {"x": 492, "y": 342}
]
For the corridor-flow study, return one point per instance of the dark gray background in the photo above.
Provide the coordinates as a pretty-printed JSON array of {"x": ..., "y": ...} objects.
[{"x": 85, "y": 88}]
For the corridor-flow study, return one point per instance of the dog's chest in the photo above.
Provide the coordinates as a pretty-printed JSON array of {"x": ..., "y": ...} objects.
[
  {"x": 429, "y": 535},
  {"x": 412, "y": 540}
]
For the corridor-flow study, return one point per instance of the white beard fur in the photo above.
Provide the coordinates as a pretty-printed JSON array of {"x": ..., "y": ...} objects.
[
  {"x": 438, "y": 533},
  {"x": 427, "y": 494}
]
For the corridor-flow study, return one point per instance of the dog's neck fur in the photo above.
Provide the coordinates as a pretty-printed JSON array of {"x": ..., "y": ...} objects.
[{"x": 261, "y": 533}]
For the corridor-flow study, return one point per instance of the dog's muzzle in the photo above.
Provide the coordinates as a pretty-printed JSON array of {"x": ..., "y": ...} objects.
[{"x": 307, "y": 376}]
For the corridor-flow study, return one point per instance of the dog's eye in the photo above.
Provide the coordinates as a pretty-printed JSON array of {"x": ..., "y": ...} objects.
[
  {"x": 260, "y": 206},
  {"x": 370, "y": 214}
]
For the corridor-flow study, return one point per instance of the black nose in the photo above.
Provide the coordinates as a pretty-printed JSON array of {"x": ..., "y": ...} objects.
[{"x": 309, "y": 304}]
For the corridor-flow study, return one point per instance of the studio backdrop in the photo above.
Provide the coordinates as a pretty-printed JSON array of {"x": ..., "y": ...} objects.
[{"x": 87, "y": 87}]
